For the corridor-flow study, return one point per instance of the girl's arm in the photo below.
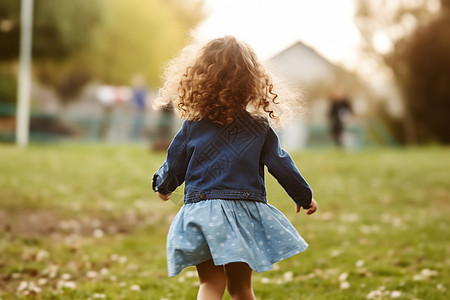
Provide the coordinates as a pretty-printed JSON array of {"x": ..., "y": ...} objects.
[
  {"x": 171, "y": 174},
  {"x": 282, "y": 167}
]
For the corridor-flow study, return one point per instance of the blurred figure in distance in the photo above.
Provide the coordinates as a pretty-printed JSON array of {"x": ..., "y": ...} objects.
[{"x": 339, "y": 112}]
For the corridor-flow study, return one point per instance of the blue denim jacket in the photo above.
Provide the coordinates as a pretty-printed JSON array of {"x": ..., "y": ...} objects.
[{"x": 227, "y": 162}]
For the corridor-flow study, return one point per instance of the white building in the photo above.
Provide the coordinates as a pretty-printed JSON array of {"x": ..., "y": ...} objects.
[{"x": 301, "y": 65}]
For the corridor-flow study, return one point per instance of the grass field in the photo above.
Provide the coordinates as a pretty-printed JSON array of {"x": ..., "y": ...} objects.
[{"x": 81, "y": 222}]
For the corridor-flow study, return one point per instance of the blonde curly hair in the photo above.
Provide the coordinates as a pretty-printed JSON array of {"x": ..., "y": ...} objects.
[{"x": 222, "y": 80}]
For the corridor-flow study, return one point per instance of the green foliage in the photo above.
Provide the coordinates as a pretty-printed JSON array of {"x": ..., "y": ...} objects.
[
  {"x": 59, "y": 28},
  {"x": 9, "y": 29},
  {"x": 139, "y": 36},
  {"x": 87, "y": 215},
  {"x": 109, "y": 41},
  {"x": 8, "y": 87}
]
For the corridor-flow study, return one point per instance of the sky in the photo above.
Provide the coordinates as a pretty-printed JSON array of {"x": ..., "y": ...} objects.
[{"x": 270, "y": 26}]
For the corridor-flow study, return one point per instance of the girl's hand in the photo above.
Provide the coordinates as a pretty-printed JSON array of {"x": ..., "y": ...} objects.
[
  {"x": 164, "y": 197},
  {"x": 312, "y": 207}
]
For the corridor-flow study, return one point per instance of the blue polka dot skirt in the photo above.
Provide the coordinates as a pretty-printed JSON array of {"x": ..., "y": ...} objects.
[{"x": 229, "y": 231}]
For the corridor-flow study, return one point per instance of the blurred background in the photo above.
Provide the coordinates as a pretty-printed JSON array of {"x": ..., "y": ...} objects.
[
  {"x": 374, "y": 72},
  {"x": 78, "y": 218}
]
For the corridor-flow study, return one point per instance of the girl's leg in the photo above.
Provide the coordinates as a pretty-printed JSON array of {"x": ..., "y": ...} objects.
[
  {"x": 212, "y": 281},
  {"x": 239, "y": 281}
]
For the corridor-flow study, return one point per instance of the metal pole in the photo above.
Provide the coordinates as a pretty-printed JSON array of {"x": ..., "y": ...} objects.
[{"x": 23, "y": 107}]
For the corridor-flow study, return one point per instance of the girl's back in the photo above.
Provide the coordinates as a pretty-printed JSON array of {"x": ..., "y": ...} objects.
[
  {"x": 226, "y": 157},
  {"x": 226, "y": 228}
]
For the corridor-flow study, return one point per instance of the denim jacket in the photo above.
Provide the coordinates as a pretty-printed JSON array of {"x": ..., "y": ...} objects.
[{"x": 227, "y": 162}]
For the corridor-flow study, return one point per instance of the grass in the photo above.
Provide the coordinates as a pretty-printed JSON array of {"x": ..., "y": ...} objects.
[{"x": 81, "y": 222}]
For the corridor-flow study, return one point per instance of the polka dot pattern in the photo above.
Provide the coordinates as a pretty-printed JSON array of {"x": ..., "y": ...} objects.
[{"x": 231, "y": 231}]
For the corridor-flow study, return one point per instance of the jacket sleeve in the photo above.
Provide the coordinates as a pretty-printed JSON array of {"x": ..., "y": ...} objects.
[
  {"x": 282, "y": 167},
  {"x": 172, "y": 173}
]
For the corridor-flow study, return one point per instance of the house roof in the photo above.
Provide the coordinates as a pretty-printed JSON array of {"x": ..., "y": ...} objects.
[
  {"x": 301, "y": 45},
  {"x": 300, "y": 63}
]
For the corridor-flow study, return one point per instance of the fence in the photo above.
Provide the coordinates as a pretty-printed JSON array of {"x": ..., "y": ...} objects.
[{"x": 122, "y": 127}]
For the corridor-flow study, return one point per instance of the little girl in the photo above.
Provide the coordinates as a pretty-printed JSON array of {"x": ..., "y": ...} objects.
[{"x": 226, "y": 228}]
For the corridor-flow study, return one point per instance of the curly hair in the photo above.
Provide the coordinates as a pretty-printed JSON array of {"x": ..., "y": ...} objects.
[{"x": 225, "y": 79}]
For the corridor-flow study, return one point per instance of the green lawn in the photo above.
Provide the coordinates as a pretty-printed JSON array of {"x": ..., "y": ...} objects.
[{"x": 81, "y": 222}]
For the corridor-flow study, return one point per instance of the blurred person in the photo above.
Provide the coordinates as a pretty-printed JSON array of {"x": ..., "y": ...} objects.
[
  {"x": 112, "y": 99},
  {"x": 139, "y": 103},
  {"x": 107, "y": 96},
  {"x": 339, "y": 112},
  {"x": 226, "y": 228},
  {"x": 164, "y": 128}
]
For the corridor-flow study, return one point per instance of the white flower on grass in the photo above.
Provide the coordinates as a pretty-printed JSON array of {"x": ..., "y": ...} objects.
[
  {"x": 51, "y": 271},
  {"x": 66, "y": 276},
  {"x": 428, "y": 273},
  {"x": 114, "y": 257},
  {"x": 33, "y": 288},
  {"x": 343, "y": 276},
  {"x": 440, "y": 287},
  {"x": 265, "y": 280},
  {"x": 98, "y": 233},
  {"x": 288, "y": 276},
  {"x": 344, "y": 285},
  {"x": 181, "y": 279},
  {"x": 122, "y": 284},
  {"x": 376, "y": 294},
  {"x": 104, "y": 271},
  {"x": 42, "y": 281},
  {"x": 190, "y": 274},
  {"x": 122, "y": 260},
  {"x": 418, "y": 277},
  {"x": 99, "y": 296},
  {"x": 135, "y": 288},
  {"x": 396, "y": 294},
  {"x": 425, "y": 274},
  {"x": 41, "y": 255},
  {"x": 22, "y": 286},
  {"x": 62, "y": 284},
  {"x": 92, "y": 275},
  {"x": 359, "y": 263},
  {"x": 397, "y": 222},
  {"x": 72, "y": 241},
  {"x": 70, "y": 285},
  {"x": 16, "y": 275}
]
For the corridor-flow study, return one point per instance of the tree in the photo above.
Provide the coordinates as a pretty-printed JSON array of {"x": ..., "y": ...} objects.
[
  {"x": 140, "y": 36},
  {"x": 426, "y": 79},
  {"x": 77, "y": 41},
  {"x": 386, "y": 29},
  {"x": 57, "y": 30},
  {"x": 58, "y": 33}
]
